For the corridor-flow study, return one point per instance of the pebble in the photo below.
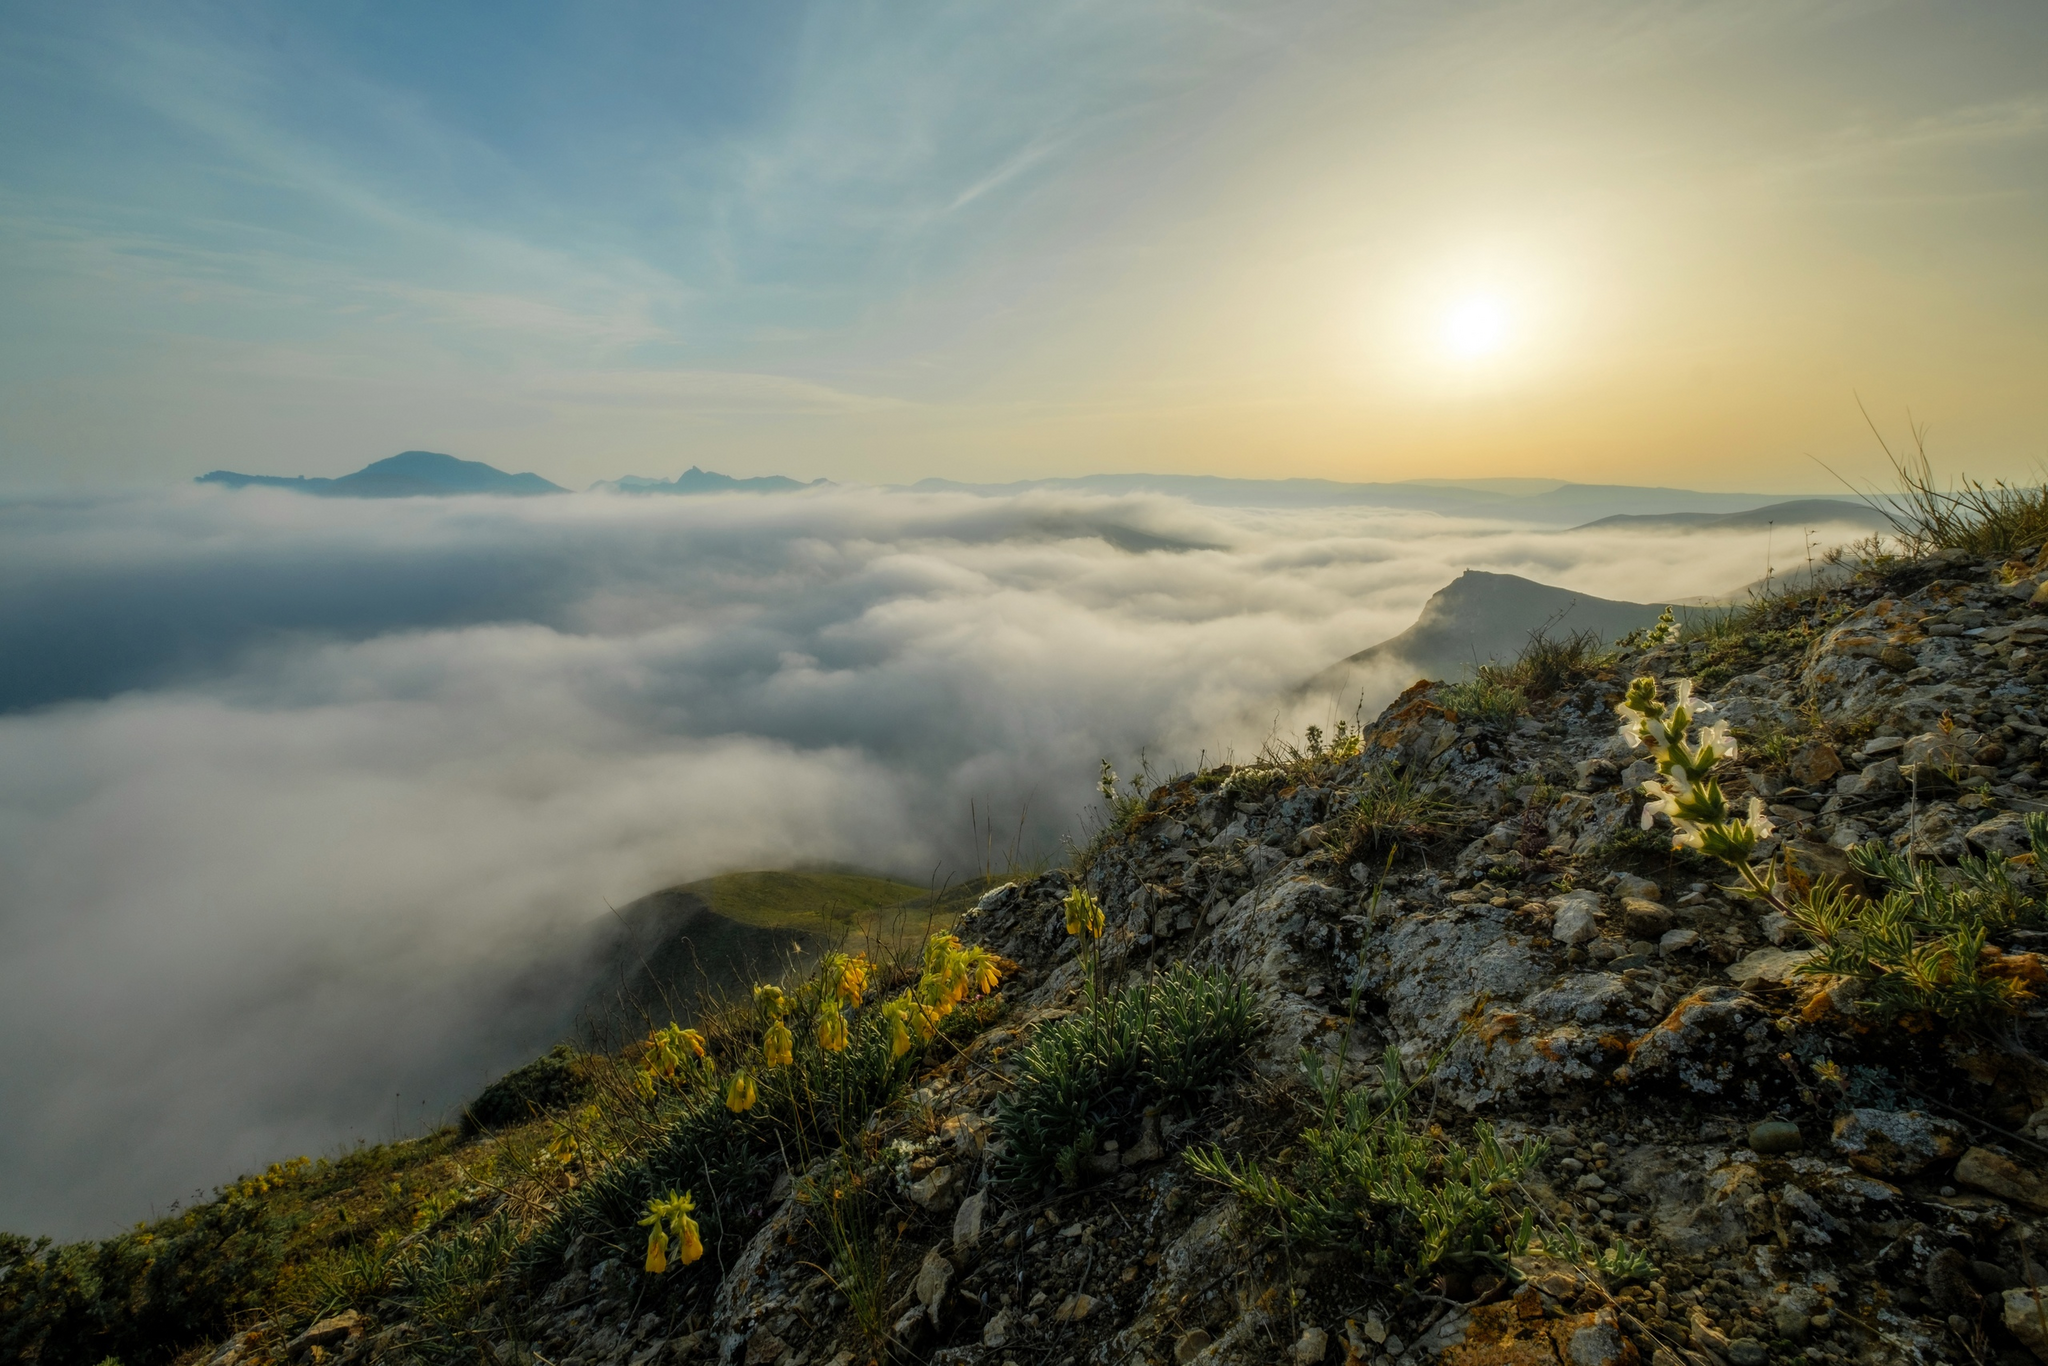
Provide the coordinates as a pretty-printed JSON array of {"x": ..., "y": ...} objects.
[{"x": 1775, "y": 1136}]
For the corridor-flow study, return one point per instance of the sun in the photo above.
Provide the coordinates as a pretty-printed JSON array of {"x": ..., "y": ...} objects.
[{"x": 1475, "y": 327}]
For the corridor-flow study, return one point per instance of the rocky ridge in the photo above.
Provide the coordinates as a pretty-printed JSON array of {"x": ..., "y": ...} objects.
[{"x": 1568, "y": 978}]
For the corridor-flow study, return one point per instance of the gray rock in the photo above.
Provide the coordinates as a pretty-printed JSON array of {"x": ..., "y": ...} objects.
[
  {"x": 1895, "y": 1143},
  {"x": 2005, "y": 833},
  {"x": 1190, "y": 1345},
  {"x": 934, "y": 1278},
  {"x": 936, "y": 1190},
  {"x": 967, "y": 1220},
  {"x": 1674, "y": 942},
  {"x": 1748, "y": 1352},
  {"x": 1312, "y": 1346},
  {"x": 1574, "y": 922},
  {"x": 1641, "y": 888},
  {"x": 2026, "y": 1318},
  {"x": 996, "y": 1332},
  {"x": 1769, "y": 965}
]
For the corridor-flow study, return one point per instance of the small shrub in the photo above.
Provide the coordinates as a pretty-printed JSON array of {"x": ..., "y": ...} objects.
[
  {"x": 1548, "y": 664},
  {"x": 1488, "y": 701},
  {"x": 557, "y": 1080},
  {"x": 1407, "y": 1200},
  {"x": 1095, "y": 1071}
]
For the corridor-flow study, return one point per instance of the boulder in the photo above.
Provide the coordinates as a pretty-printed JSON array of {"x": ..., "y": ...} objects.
[{"x": 1895, "y": 1143}]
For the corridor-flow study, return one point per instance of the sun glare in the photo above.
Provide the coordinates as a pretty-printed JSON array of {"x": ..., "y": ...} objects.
[{"x": 1475, "y": 327}]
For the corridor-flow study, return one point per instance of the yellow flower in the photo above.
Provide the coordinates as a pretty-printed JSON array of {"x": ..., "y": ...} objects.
[
  {"x": 1084, "y": 914},
  {"x": 771, "y": 1000},
  {"x": 692, "y": 1246},
  {"x": 740, "y": 1095},
  {"x": 896, "y": 1012},
  {"x": 981, "y": 967},
  {"x": 831, "y": 1028},
  {"x": 846, "y": 977},
  {"x": 672, "y": 1212},
  {"x": 776, "y": 1044},
  {"x": 657, "y": 1251}
]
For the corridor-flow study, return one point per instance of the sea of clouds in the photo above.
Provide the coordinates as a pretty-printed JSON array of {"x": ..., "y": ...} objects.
[{"x": 310, "y": 810}]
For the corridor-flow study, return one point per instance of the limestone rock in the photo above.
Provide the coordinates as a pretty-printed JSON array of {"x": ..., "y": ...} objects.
[
  {"x": 1895, "y": 1143},
  {"x": 967, "y": 1220},
  {"x": 996, "y": 1332},
  {"x": 1312, "y": 1346},
  {"x": 2005, "y": 833},
  {"x": 2026, "y": 1318},
  {"x": 1642, "y": 919},
  {"x": 1777, "y": 966},
  {"x": 934, "y": 1278},
  {"x": 936, "y": 1190},
  {"x": 1703, "y": 1043},
  {"x": 2004, "y": 1178},
  {"x": 1575, "y": 919},
  {"x": 328, "y": 1334},
  {"x": 1190, "y": 1345},
  {"x": 1776, "y": 1136}
]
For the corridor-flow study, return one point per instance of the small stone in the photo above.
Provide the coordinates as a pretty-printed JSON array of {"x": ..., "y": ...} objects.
[
  {"x": 1748, "y": 1352},
  {"x": 1674, "y": 942},
  {"x": 764, "y": 1349},
  {"x": 996, "y": 1332},
  {"x": 1777, "y": 926},
  {"x": 1311, "y": 1347},
  {"x": 1575, "y": 921},
  {"x": 327, "y": 1334},
  {"x": 1814, "y": 763},
  {"x": 1147, "y": 1148},
  {"x": 1775, "y": 1136},
  {"x": 1644, "y": 919},
  {"x": 1075, "y": 1308},
  {"x": 936, "y": 1190},
  {"x": 2026, "y": 1317},
  {"x": 1374, "y": 1330},
  {"x": 967, "y": 1220},
  {"x": 1190, "y": 1346},
  {"x": 1641, "y": 888},
  {"x": 2004, "y": 1178}
]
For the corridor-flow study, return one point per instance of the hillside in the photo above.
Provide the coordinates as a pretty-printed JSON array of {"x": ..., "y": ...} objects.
[
  {"x": 1396, "y": 1047},
  {"x": 681, "y": 946},
  {"x": 410, "y": 474}
]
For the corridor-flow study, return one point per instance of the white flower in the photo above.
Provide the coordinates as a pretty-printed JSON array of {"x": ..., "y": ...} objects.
[{"x": 1758, "y": 821}]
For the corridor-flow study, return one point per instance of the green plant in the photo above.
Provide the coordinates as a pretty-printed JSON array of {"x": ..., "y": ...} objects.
[
  {"x": 1979, "y": 519},
  {"x": 556, "y": 1080},
  {"x": 1372, "y": 1179},
  {"x": 849, "y": 1219},
  {"x": 1488, "y": 701},
  {"x": 1391, "y": 809},
  {"x": 1160, "y": 1042},
  {"x": 1548, "y": 664},
  {"x": 1621, "y": 1263},
  {"x": 1919, "y": 946}
]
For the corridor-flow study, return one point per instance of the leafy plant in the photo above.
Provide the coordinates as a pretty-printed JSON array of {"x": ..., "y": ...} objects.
[
  {"x": 1488, "y": 701},
  {"x": 1406, "y": 1199},
  {"x": 1160, "y": 1042}
]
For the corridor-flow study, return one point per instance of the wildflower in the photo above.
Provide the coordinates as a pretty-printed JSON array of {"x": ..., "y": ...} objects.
[
  {"x": 1686, "y": 793},
  {"x": 1084, "y": 914},
  {"x": 846, "y": 977},
  {"x": 897, "y": 1013},
  {"x": 666, "y": 1219},
  {"x": 741, "y": 1093},
  {"x": 982, "y": 969},
  {"x": 775, "y": 1045},
  {"x": 771, "y": 1001},
  {"x": 831, "y": 1028}
]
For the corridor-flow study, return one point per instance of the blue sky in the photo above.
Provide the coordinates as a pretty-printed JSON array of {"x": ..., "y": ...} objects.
[{"x": 878, "y": 242}]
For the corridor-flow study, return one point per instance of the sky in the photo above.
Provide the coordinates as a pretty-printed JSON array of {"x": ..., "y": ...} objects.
[
  {"x": 1652, "y": 243},
  {"x": 313, "y": 811}
]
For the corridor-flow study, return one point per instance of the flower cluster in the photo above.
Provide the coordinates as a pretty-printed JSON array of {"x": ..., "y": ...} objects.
[
  {"x": 951, "y": 971},
  {"x": 673, "y": 1054},
  {"x": 1084, "y": 914},
  {"x": 1686, "y": 792},
  {"x": 669, "y": 1220}
]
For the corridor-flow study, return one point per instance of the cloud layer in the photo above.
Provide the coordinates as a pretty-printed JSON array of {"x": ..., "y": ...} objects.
[{"x": 305, "y": 806}]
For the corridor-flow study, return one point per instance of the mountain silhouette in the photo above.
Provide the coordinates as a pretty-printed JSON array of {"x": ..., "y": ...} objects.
[
  {"x": 694, "y": 480},
  {"x": 410, "y": 474},
  {"x": 1478, "y": 617}
]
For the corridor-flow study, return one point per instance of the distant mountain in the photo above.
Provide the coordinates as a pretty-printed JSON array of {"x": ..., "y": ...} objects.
[
  {"x": 1479, "y": 617},
  {"x": 1790, "y": 516},
  {"x": 412, "y": 474},
  {"x": 1543, "y": 501},
  {"x": 694, "y": 480}
]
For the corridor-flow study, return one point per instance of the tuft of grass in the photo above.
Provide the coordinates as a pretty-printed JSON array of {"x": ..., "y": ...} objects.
[
  {"x": 1391, "y": 810},
  {"x": 1092, "y": 1074},
  {"x": 1548, "y": 664},
  {"x": 1997, "y": 519},
  {"x": 1405, "y": 1198}
]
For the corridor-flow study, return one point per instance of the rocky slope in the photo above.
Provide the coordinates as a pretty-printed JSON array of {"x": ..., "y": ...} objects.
[{"x": 1811, "y": 1183}]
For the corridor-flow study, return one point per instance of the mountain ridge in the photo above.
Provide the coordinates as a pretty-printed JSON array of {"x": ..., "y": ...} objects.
[{"x": 409, "y": 474}]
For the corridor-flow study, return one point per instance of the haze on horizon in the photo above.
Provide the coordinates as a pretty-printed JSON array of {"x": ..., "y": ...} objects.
[{"x": 1666, "y": 244}]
